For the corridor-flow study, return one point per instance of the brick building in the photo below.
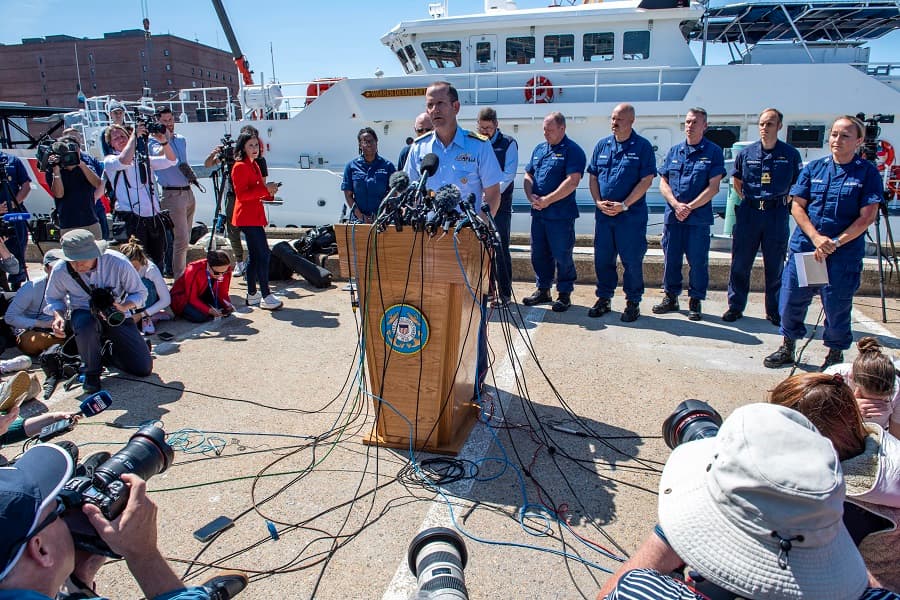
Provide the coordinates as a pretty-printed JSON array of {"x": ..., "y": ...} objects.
[{"x": 43, "y": 72}]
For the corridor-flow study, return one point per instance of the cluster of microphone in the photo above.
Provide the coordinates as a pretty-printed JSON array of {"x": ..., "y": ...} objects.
[{"x": 412, "y": 204}]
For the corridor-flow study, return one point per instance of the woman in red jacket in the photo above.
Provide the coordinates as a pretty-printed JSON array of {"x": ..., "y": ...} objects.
[
  {"x": 249, "y": 214},
  {"x": 201, "y": 293}
]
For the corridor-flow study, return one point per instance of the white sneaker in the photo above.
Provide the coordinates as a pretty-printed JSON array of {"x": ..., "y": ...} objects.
[
  {"x": 270, "y": 302},
  {"x": 18, "y": 363},
  {"x": 239, "y": 268},
  {"x": 147, "y": 326},
  {"x": 254, "y": 299}
]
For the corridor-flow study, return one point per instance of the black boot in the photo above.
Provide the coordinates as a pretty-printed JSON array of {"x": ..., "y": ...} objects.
[
  {"x": 632, "y": 311},
  {"x": 694, "y": 311},
  {"x": 782, "y": 357},
  {"x": 563, "y": 302},
  {"x": 668, "y": 304},
  {"x": 600, "y": 308},
  {"x": 835, "y": 357},
  {"x": 540, "y": 296}
]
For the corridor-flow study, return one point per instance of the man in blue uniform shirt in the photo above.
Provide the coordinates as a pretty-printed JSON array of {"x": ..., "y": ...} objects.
[
  {"x": 465, "y": 159},
  {"x": 13, "y": 190},
  {"x": 551, "y": 177},
  {"x": 835, "y": 200},
  {"x": 690, "y": 177},
  {"x": 620, "y": 173},
  {"x": 763, "y": 174},
  {"x": 506, "y": 149}
]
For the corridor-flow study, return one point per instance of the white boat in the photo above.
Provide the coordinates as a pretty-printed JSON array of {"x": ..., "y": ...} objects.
[{"x": 809, "y": 59}]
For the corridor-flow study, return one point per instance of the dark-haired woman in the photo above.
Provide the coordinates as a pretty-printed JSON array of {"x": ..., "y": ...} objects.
[
  {"x": 873, "y": 379},
  {"x": 202, "y": 293},
  {"x": 365, "y": 182},
  {"x": 250, "y": 192}
]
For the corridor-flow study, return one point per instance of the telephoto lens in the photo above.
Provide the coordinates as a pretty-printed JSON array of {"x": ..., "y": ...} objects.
[
  {"x": 146, "y": 454},
  {"x": 437, "y": 557},
  {"x": 691, "y": 420}
]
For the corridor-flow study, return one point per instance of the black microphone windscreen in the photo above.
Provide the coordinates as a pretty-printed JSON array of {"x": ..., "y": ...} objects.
[
  {"x": 447, "y": 197},
  {"x": 429, "y": 164},
  {"x": 95, "y": 403},
  {"x": 399, "y": 180}
]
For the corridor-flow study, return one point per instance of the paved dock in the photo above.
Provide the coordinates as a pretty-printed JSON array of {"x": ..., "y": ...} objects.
[{"x": 267, "y": 413}]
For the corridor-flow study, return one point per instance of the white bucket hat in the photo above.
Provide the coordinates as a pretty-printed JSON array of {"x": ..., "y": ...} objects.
[{"x": 758, "y": 509}]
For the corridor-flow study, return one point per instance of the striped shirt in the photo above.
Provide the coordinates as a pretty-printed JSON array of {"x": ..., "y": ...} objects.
[{"x": 647, "y": 584}]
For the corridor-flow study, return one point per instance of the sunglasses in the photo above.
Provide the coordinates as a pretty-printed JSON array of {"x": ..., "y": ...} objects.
[
  {"x": 421, "y": 130},
  {"x": 214, "y": 272},
  {"x": 61, "y": 507}
]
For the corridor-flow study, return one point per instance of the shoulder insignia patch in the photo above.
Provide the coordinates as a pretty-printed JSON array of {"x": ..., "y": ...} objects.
[{"x": 477, "y": 136}]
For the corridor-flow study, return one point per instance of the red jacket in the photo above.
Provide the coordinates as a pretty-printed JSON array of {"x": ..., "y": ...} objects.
[
  {"x": 188, "y": 288},
  {"x": 249, "y": 192}
]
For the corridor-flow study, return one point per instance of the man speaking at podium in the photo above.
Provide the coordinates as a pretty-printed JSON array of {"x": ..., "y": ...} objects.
[{"x": 465, "y": 159}]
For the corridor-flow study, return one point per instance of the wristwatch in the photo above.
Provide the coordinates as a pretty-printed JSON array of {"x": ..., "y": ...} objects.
[
  {"x": 836, "y": 242},
  {"x": 624, "y": 207}
]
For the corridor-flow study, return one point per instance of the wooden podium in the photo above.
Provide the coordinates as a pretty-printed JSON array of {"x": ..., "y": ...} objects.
[{"x": 419, "y": 300}]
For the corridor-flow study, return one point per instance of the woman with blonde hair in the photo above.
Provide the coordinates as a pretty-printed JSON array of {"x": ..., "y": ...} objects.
[{"x": 158, "y": 298}]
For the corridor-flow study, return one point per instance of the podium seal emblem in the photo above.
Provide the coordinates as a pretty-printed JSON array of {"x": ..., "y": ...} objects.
[{"x": 404, "y": 329}]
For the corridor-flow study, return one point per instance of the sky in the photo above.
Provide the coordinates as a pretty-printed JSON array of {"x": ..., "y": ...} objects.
[{"x": 309, "y": 38}]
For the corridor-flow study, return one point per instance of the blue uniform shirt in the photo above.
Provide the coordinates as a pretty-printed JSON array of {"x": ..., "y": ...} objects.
[
  {"x": 767, "y": 174},
  {"x": 688, "y": 170},
  {"x": 620, "y": 166},
  {"x": 368, "y": 181},
  {"x": 16, "y": 176},
  {"x": 836, "y": 194},
  {"x": 468, "y": 162},
  {"x": 171, "y": 177},
  {"x": 549, "y": 166}
]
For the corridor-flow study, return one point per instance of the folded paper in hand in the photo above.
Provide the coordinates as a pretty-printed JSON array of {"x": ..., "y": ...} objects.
[{"x": 809, "y": 270}]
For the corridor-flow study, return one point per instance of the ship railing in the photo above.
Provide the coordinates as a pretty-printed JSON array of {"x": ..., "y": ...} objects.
[
  {"x": 879, "y": 70},
  {"x": 191, "y": 104}
]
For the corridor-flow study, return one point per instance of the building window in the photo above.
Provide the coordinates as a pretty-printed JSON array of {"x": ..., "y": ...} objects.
[
  {"x": 231, "y": 78},
  {"x": 168, "y": 82},
  {"x": 144, "y": 68},
  {"x": 94, "y": 86},
  {"x": 40, "y": 60},
  {"x": 559, "y": 48},
  {"x": 598, "y": 47},
  {"x": 165, "y": 52},
  {"x": 168, "y": 67},
  {"x": 443, "y": 55},
  {"x": 208, "y": 74},
  {"x": 146, "y": 83},
  {"x": 193, "y": 84},
  {"x": 142, "y": 54},
  {"x": 636, "y": 45},
  {"x": 93, "y": 71},
  {"x": 90, "y": 57},
  {"x": 192, "y": 70},
  {"x": 520, "y": 50}
]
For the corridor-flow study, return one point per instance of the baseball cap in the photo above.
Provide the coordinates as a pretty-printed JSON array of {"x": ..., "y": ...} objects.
[
  {"x": 26, "y": 489},
  {"x": 114, "y": 105},
  {"x": 51, "y": 256}
]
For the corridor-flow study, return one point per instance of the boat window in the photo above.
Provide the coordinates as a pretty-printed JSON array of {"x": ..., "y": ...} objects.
[
  {"x": 520, "y": 50},
  {"x": 636, "y": 45},
  {"x": 598, "y": 47},
  {"x": 443, "y": 55},
  {"x": 483, "y": 53},
  {"x": 559, "y": 48},
  {"x": 806, "y": 136},
  {"x": 413, "y": 58},
  {"x": 401, "y": 56},
  {"x": 723, "y": 136}
]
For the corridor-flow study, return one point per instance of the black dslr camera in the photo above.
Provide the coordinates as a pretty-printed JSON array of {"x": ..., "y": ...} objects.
[
  {"x": 226, "y": 152},
  {"x": 68, "y": 152},
  {"x": 103, "y": 307},
  {"x": 146, "y": 454},
  {"x": 145, "y": 115}
]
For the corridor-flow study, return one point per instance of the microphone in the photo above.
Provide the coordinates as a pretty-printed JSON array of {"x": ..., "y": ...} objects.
[
  {"x": 446, "y": 203},
  {"x": 13, "y": 217},
  {"x": 95, "y": 404},
  {"x": 398, "y": 183},
  {"x": 427, "y": 168}
]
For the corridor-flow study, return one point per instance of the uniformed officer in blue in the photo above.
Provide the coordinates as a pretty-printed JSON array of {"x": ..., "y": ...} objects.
[
  {"x": 620, "y": 173},
  {"x": 763, "y": 174},
  {"x": 465, "y": 158},
  {"x": 551, "y": 177},
  {"x": 365, "y": 182},
  {"x": 689, "y": 179},
  {"x": 506, "y": 149},
  {"x": 835, "y": 200}
]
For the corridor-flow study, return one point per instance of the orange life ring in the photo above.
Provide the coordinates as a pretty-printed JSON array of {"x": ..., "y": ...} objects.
[
  {"x": 885, "y": 155},
  {"x": 538, "y": 90},
  {"x": 893, "y": 183},
  {"x": 318, "y": 87}
]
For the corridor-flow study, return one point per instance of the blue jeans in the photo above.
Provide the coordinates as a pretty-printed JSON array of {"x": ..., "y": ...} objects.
[
  {"x": 130, "y": 352},
  {"x": 257, "y": 272},
  {"x": 194, "y": 315},
  {"x": 152, "y": 294}
]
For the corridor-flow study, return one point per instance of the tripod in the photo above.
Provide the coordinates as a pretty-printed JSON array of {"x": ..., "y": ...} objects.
[
  {"x": 221, "y": 185},
  {"x": 892, "y": 260}
]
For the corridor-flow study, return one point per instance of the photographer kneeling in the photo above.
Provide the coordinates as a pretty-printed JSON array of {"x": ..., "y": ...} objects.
[
  {"x": 98, "y": 288},
  {"x": 755, "y": 512},
  {"x": 37, "y": 554}
]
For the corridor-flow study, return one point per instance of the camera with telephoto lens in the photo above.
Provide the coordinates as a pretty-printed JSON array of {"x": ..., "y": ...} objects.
[
  {"x": 103, "y": 307},
  {"x": 691, "y": 420},
  {"x": 226, "y": 152},
  {"x": 146, "y": 454},
  {"x": 437, "y": 557},
  {"x": 872, "y": 134},
  {"x": 68, "y": 152},
  {"x": 147, "y": 116}
]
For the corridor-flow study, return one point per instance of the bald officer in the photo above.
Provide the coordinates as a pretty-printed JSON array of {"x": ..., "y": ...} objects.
[
  {"x": 689, "y": 179},
  {"x": 763, "y": 174}
]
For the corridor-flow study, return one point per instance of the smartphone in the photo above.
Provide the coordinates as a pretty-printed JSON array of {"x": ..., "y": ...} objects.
[
  {"x": 55, "y": 429},
  {"x": 166, "y": 336},
  {"x": 217, "y": 525}
]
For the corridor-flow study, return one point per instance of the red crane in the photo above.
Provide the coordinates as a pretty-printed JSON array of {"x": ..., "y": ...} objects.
[{"x": 240, "y": 61}]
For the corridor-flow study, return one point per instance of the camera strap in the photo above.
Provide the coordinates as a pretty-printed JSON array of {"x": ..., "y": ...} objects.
[{"x": 77, "y": 277}]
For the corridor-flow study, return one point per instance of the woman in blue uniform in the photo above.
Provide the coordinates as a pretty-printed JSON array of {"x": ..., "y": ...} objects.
[
  {"x": 835, "y": 200},
  {"x": 366, "y": 177}
]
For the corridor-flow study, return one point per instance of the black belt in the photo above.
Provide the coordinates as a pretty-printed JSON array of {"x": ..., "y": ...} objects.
[
  {"x": 767, "y": 203},
  {"x": 172, "y": 188}
]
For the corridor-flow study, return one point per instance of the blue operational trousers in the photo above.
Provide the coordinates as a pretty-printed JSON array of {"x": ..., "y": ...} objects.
[
  {"x": 130, "y": 352},
  {"x": 503, "y": 260},
  {"x": 624, "y": 236},
  {"x": 680, "y": 240},
  {"x": 837, "y": 298},
  {"x": 754, "y": 229},
  {"x": 552, "y": 242}
]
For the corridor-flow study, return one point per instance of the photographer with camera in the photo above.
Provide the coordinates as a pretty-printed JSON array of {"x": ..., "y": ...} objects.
[
  {"x": 74, "y": 178},
  {"x": 15, "y": 185},
  {"x": 756, "y": 512},
  {"x": 129, "y": 171},
  {"x": 37, "y": 554},
  {"x": 177, "y": 197},
  {"x": 97, "y": 289}
]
